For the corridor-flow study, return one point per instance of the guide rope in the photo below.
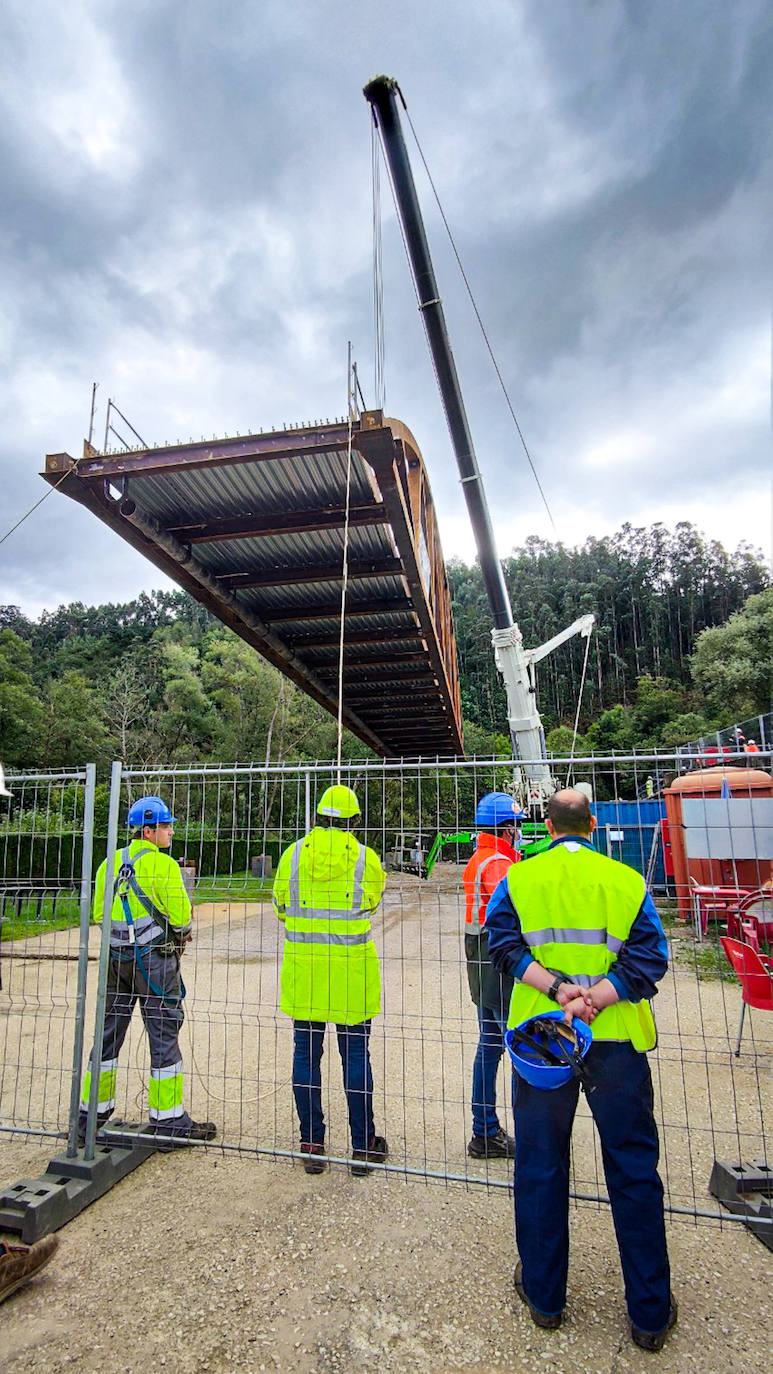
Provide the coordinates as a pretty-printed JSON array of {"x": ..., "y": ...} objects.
[
  {"x": 478, "y": 317},
  {"x": 577, "y": 712}
]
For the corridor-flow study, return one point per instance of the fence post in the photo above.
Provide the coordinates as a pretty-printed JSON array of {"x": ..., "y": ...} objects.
[
  {"x": 308, "y": 801},
  {"x": 104, "y": 960},
  {"x": 83, "y": 958}
]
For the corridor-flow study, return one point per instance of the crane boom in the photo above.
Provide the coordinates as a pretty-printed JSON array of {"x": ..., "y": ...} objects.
[{"x": 513, "y": 661}]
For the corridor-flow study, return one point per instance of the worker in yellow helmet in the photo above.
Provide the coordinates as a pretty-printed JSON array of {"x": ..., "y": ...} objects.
[{"x": 327, "y": 885}]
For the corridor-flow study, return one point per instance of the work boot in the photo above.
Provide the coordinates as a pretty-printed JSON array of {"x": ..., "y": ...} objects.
[
  {"x": 376, "y": 1153},
  {"x": 548, "y": 1321},
  {"x": 102, "y": 1120},
  {"x": 648, "y": 1340},
  {"x": 181, "y": 1130},
  {"x": 496, "y": 1146},
  {"x": 18, "y": 1263},
  {"x": 313, "y": 1166}
]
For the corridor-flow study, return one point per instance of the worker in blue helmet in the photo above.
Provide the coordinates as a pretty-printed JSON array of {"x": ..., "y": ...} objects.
[
  {"x": 149, "y": 928},
  {"x": 497, "y": 819},
  {"x": 576, "y": 928}
]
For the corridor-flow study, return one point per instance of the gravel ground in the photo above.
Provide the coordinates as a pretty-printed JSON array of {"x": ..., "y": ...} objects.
[
  {"x": 198, "y": 1263},
  {"x": 209, "y": 1261}
]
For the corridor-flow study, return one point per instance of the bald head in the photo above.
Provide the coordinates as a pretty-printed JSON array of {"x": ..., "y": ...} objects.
[{"x": 568, "y": 813}]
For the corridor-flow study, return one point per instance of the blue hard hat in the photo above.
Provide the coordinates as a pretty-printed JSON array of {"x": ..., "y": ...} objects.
[
  {"x": 149, "y": 811},
  {"x": 496, "y": 808},
  {"x": 531, "y": 1066}
]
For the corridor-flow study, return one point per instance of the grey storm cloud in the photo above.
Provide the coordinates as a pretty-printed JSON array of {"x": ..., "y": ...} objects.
[{"x": 187, "y": 220}]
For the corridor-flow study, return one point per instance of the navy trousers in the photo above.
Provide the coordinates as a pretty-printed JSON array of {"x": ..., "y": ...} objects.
[
  {"x": 622, "y": 1107},
  {"x": 308, "y": 1046},
  {"x": 491, "y": 1047}
]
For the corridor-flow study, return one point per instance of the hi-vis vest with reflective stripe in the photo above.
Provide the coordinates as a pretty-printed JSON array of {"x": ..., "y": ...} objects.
[
  {"x": 576, "y": 909},
  {"x": 328, "y": 884},
  {"x": 160, "y": 881},
  {"x": 475, "y": 904}
]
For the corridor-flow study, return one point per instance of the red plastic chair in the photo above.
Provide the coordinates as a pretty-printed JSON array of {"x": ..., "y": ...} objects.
[{"x": 755, "y": 977}]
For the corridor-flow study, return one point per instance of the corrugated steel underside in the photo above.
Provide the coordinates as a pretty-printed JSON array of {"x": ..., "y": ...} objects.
[{"x": 253, "y": 528}]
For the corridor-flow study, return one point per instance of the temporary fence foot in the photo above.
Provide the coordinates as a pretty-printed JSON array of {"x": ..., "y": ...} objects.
[
  {"x": 746, "y": 1190},
  {"x": 33, "y": 1208}
]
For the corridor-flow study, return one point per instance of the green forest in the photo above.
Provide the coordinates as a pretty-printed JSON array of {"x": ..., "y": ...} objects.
[{"x": 683, "y": 645}]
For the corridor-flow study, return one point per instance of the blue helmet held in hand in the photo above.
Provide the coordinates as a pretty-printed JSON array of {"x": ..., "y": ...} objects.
[
  {"x": 540, "y": 1052},
  {"x": 149, "y": 811},
  {"x": 497, "y": 808}
]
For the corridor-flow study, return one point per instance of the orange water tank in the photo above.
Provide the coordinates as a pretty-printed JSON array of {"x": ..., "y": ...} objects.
[{"x": 740, "y": 783}]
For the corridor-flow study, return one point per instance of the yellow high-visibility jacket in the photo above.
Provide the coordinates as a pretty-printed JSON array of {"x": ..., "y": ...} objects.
[
  {"x": 160, "y": 878},
  {"x": 326, "y": 886}
]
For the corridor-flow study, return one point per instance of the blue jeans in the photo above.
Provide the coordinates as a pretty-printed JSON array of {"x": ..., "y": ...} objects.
[
  {"x": 308, "y": 1046},
  {"x": 491, "y": 1047},
  {"x": 621, "y": 1103}
]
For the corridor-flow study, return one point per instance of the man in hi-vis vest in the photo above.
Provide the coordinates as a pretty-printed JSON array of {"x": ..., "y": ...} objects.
[
  {"x": 327, "y": 885},
  {"x": 496, "y": 822},
  {"x": 149, "y": 928},
  {"x": 577, "y": 929}
]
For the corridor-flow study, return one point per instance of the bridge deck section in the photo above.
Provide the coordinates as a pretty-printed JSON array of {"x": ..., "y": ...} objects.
[{"x": 253, "y": 528}]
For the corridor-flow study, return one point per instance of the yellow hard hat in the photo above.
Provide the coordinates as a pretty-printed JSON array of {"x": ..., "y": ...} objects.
[{"x": 338, "y": 802}]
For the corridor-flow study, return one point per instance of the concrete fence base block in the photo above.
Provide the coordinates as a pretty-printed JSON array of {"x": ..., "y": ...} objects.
[
  {"x": 746, "y": 1190},
  {"x": 35, "y": 1207}
]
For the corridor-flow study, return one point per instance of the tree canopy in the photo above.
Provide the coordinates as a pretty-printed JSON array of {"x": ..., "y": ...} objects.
[{"x": 683, "y": 644}]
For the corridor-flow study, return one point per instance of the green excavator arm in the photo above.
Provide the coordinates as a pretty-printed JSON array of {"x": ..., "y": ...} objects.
[{"x": 534, "y": 838}]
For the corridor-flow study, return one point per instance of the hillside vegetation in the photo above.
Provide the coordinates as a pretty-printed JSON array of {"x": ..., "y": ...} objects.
[{"x": 683, "y": 644}]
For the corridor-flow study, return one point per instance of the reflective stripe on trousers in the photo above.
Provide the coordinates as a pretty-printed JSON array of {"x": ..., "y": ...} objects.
[{"x": 106, "y": 1091}]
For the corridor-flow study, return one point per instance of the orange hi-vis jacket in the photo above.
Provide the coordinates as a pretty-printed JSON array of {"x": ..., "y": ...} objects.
[{"x": 485, "y": 870}]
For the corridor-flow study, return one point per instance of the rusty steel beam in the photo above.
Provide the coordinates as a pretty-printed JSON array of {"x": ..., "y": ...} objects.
[
  {"x": 286, "y": 615},
  {"x": 249, "y": 448},
  {"x": 178, "y": 564},
  {"x": 321, "y": 572},
  {"x": 262, "y": 526},
  {"x": 326, "y": 668},
  {"x": 387, "y": 456},
  {"x": 381, "y": 637},
  {"x": 413, "y": 670}
]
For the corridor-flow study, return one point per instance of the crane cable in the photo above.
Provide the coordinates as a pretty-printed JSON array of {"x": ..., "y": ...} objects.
[
  {"x": 478, "y": 317},
  {"x": 43, "y": 498},
  {"x": 570, "y": 770},
  {"x": 378, "y": 273},
  {"x": 350, "y": 404}
]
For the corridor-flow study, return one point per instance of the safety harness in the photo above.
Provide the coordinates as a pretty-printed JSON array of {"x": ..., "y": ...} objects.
[{"x": 126, "y": 882}]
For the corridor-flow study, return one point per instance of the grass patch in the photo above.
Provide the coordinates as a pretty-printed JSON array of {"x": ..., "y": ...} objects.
[
  {"x": 26, "y": 921},
  {"x": 232, "y": 888}
]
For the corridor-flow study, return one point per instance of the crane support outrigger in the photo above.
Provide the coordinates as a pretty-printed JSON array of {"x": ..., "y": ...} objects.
[{"x": 515, "y": 664}]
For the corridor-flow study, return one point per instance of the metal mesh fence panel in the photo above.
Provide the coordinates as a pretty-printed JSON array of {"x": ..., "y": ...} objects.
[
  {"x": 233, "y": 824},
  {"x": 46, "y": 832}
]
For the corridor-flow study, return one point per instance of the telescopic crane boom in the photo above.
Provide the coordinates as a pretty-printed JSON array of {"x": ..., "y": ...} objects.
[{"x": 513, "y": 661}]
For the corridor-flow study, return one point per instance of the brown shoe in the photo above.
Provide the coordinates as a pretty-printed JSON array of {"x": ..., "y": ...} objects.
[
  {"x": 18, "y": 1263},
  {"x": 312, "y": 1165},
  {"x": 377, "y": 1151}
]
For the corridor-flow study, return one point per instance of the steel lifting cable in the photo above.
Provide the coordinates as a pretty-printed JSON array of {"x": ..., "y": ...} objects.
[
  {"x": 579, "y": 704},
  {"x": 141, "y": 1095},
  {"x": 43, "y": 498},
  {"x": 350, "y": 402},
  {"x": 378, "y": 273},
  {"x": 478, "y": 317}
]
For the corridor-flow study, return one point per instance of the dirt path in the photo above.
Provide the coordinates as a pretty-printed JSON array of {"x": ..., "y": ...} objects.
[
  {"x": 196, "y": 1263},
  {"x": 205, "y": 1260}
]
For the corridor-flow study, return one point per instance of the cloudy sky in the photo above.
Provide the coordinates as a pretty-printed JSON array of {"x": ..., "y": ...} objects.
[{"x": 187, "y": 220}]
